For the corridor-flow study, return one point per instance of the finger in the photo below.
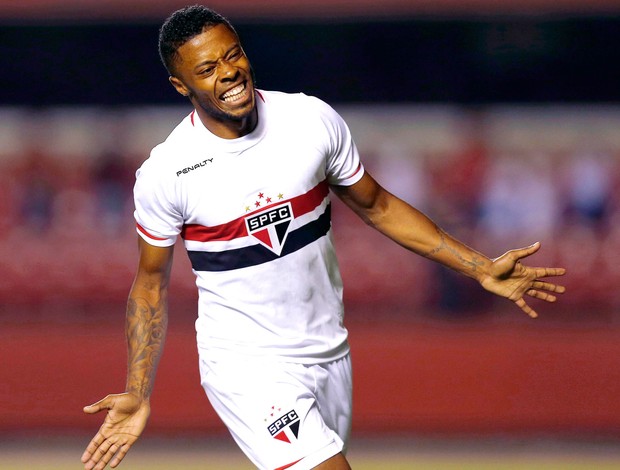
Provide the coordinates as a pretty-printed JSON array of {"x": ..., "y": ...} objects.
[
  {"x": 86, "y": 456},
  {"x": 92, "y": 447},
  {"x": 541, "y": 295},
  {"x": 103, "y": 450},
  {"x": 114, "y": 455},
  {"x": 541, "y": 285},
  {"x": 549, "y": 272},
  {"x": 91, "y": 462},
  {"x": 120, "y": 455},
  {"x": 106, "y": 456},
  {"x": 526, "y": 308},
  {"x": 98, "y": 458}
]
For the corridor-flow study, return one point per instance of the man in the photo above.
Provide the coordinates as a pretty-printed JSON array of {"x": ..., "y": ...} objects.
[{"x": 245, "y": 180}]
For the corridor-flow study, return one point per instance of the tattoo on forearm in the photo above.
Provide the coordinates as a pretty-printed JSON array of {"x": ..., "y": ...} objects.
[
  {"x": 472, "y": 264},
  {"x": 146, "y": 332}
]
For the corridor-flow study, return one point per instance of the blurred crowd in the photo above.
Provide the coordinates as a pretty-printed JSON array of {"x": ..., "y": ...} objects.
[
  {"x": 67, "y": 232},
  {"x": 495, "y": 201}
]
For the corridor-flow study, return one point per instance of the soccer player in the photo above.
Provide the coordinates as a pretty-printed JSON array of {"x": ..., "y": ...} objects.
[{"x": 245, "y": 181}]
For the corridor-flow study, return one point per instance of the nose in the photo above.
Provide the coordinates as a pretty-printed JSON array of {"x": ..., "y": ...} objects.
[{"x": 227, "y": 71}]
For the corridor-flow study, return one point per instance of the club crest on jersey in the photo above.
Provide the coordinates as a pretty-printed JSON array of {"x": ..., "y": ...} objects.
[
  {"x": 286, "y": 427},
  {"x": 270, "y": 226}
]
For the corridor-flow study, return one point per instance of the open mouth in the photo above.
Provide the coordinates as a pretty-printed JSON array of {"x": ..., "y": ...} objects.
[{"x": 236, "y": 94}]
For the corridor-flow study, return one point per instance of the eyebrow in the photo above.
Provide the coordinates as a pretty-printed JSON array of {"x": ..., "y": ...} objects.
[{"x": 208, "y": 62}]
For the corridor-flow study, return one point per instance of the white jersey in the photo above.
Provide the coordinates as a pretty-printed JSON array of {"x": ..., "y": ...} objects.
[{"x": 254, "y": 213}]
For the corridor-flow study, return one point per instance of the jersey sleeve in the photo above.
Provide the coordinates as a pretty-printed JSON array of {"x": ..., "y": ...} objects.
[
  {"x": 158, "y": 222},
  {"x": 344, "y": 166}
]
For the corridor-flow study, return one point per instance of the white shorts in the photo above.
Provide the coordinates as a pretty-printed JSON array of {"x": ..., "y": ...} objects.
[{"x": 282, "y": 415}]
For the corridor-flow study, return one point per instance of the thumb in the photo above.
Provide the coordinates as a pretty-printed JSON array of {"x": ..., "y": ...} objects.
[
  {"x": 527, "y": 251},
  {"x": 104, "y": 404}
]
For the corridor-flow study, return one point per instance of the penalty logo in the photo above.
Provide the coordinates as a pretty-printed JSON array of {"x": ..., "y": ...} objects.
[
  {"x": 286, "y": 427},
  {"x": 270, "y": 227}
]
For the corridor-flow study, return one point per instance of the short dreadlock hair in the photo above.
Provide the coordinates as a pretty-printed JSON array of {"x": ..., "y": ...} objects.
[{"x": 183, "y": 25}]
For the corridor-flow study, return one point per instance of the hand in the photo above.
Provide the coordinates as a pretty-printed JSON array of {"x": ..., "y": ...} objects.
[
  {"x": 511, "y": 279},
  {"x": 126, "y": 419}
]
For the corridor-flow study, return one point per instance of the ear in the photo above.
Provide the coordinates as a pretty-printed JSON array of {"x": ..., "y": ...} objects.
[{"x": 179, "y": 85}]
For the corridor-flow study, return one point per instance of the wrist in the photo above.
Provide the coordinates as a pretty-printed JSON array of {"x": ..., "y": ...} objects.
[{"x": 140, "y": 391}]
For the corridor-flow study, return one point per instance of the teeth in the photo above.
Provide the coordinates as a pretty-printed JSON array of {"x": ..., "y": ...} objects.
[{"x": 233, "y": 94}]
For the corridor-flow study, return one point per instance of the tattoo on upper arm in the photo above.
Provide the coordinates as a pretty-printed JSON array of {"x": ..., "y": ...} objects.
[
  {"x": 472, "y": 264},
  {"x": 146, "y": 332}
]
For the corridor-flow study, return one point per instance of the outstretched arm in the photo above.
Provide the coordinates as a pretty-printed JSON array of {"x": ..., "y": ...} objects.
[
  {"x": 504, "y": 276},
  {"x": 146, "y": 322}
]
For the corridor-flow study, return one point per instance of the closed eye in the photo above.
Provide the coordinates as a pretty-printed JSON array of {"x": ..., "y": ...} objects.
[
  {"x": 207, "y": 70},
  {"x": 235, "y": 54}
]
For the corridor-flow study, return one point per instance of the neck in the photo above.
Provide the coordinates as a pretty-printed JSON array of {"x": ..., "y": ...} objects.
[{"x": 227, "y": 128}]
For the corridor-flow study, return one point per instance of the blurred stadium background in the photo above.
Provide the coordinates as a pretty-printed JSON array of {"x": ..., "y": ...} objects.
[{"x": 501, "y": 120}]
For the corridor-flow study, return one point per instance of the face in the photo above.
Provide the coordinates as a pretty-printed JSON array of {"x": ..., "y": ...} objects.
[{"x": 213, "y": 71}]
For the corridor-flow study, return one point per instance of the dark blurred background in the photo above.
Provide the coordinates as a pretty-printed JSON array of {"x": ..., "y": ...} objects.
[
  {"x": 501, "y": 120},
  {"x": 559, "y": 54}
]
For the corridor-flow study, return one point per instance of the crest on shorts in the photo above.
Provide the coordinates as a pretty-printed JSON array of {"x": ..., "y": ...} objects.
[
  {"x": 286, "y": 427},
  {"x": 270, "y": 226}
]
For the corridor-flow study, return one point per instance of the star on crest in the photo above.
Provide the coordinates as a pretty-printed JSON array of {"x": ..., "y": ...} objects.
[{"x": 263, "y": 199}]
